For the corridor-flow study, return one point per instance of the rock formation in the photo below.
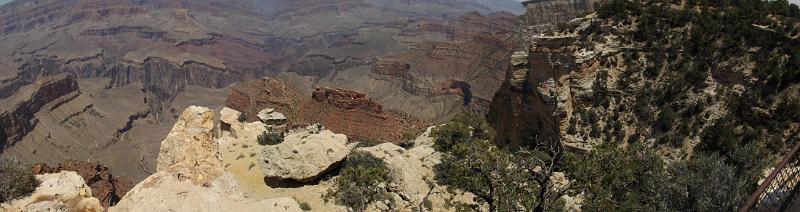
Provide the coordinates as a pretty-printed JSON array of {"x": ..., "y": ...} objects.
[
  {"x": 191, "y": 177},
  {"x": 413, "y": 175},
  {"x": 304, "y": 155},
  {"x": 17, "y": 113},
  {"x": 189, "y": 151},
  {"x": 63, "y": 191},
  {"x": 137, "y": 71},
  {"x": 520, "y": 111},
  {"x": 545, "y": 15},
  {"x": 270, "y": 117},
  {"x": 412, "y": 169},
  {"x": 109, "y": 189},
  {"x": 340, "y": 110},
  {"x": 346, "y": 99}
]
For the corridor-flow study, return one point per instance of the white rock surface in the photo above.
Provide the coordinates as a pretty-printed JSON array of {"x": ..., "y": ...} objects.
[
  {"x": 189, "y": 151},
  {"x": 191, "y": 177},
  {"x": 165, "y": 192},
  {"x": 270, "y": 116},
  {"x": 412, "y": 174},
  {"x": 304, "y": 154},
  {"x": 63, "y": 191}
]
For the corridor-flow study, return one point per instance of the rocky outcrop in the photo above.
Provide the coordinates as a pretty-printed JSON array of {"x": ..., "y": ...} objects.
[
  {"x": 63, "y": 191},
  {"x": 342, "y": 111},
  {"x": 413, "y": 175},
  {"x": 346, "y": 99},
  {"x": 269, "y": 117},
  {"x": 17, "y": 115},
  {"x": 523, "y": 109},
  {"x": 191, "y": 177},
  {"x": 189, "y": 151},
  {"x": 109, "y": 189},
  {"x": 544, "y": 15},
  {"x": 304, "y": 155}
]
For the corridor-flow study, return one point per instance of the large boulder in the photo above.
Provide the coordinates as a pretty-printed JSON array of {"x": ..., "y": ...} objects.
[
  {"x": 189, "y": 150},
  {"x": 304, "y": 155},
  {"x": 63, "y": 191},
  {"x": 191, "y": 177}
]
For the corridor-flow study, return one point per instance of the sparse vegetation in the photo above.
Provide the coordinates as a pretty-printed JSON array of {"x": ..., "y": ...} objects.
[
  {"x": 637, "y": 179},
  {"x": 270, "y": 137},
  {"x": 462, "y": 128},
  {"x": 501, "y": 180},
  {"x": 367, "y": 143},
  {"x": 305, "y": 206},
  {"x": 362, "y": 181},
  {"x": 16, "y": 180},
  {"x": 241, "y": 118},
  {"x": 408, "y": 140}
]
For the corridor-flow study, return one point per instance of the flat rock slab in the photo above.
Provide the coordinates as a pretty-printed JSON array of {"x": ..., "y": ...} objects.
[{"x": 304, "y": 155}]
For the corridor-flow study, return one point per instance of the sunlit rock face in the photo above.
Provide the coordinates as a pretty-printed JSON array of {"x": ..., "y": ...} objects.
[{"x": 138, "y": 64}]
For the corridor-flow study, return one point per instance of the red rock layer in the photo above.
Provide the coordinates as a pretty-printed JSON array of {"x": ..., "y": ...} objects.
[
  {"x": 105, "y": 186},
  {"x": 342, "y": 111},
  {"x": 346, "y": 99}
]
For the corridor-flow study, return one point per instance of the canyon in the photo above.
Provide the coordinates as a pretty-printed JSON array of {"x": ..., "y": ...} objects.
[{"x": 104, "y": 80}]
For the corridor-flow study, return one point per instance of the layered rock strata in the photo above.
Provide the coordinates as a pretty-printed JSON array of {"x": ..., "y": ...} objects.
[
  {"x": 17, "y": 117},
  {"x": 340, "y": 110},
  {"x": 522, "y": 113}
]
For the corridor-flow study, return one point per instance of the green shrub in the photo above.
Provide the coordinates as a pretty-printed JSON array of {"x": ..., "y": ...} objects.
[
  {"x": 479, "y": 167},
  {"x": 450, "y": 134},
  {"x": 305, "y": 206},
  {"x": 665, "y": 120},
  {"x": 362, "y": 181},
  {"x": 705, "y": 183},
  {"x": 367, "y": 143},
  {"x": 617, "y": 179},
  {"x": 270, "y": 138},
  {"x": 408, "y": 140},
  {"x": 242, "y": 117},
  {"x": 16, "y": 180}
]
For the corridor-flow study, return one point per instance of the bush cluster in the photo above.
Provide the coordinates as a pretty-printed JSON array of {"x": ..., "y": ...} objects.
[
  {"x": 637, "y": 179},
  {"x": 362, "y": 181},
  {"x": 270, "y": 138},
  {"x": 16, "y": 180}
]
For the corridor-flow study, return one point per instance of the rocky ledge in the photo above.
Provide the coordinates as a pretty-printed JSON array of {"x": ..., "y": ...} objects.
[
  {"x": 191, "y": 177},
  {"x": 346, "y": 99},
  {"x": 63, "y": 191},
  {"x": 105, "y": 186}
]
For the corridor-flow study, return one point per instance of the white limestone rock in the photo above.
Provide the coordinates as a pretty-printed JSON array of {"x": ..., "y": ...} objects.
[
  {"x": 304, "y": 155},
  {"x": 63, "y": 191}
]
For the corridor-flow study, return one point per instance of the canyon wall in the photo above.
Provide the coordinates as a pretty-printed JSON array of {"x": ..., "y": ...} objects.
[
  {"x": 523, "y": 114},
  {"x": 46, "y": 93}
]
